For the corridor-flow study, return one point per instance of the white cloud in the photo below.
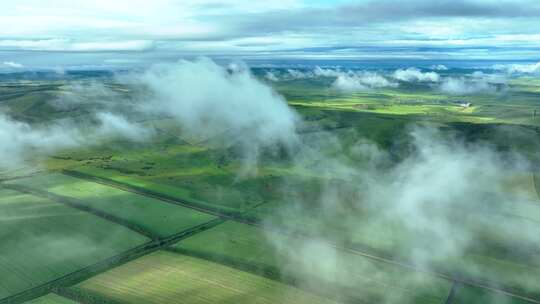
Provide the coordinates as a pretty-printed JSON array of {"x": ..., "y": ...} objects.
[
  {"x": 297, "y": 74},
  {"x": 415, "y": 75},
  {"x": 350, "y": 80},
  {"x": 271, "y": 76},
  {"x": 375, "y": 80},
  {"x": 360, "y": 81},
  {"x": 13, "y": 65},
  {"x": 347, "y": 83},
  {"x": 327, "y": 72},
  {"x": 489, "y": 78},
  {"x": 116, "y": 125},
  {"x": 210, "y": 100},
  {"x": 532, "y": 68},
  {"x": 439, "y": 67},
  {"x": 467, "y": 86},
  {"x": 23, "y": 140}
]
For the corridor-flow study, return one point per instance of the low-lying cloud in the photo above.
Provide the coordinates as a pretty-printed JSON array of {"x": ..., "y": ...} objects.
[
  {"x": 439, "y": 67},
  {"x": 398, "y": 208},
  {"x": 533, "y": 68},
  {"x": 118, "y": 126},
  {"x": 208, "y": 100},
  {"x": 345, "y": 80},
  {"x": 358, "y": 80},
  {"x": 23, "y": 141},
  {"x": 13, "y": 65},
  {"x": 362, "y": 81},
  {"x": 415, "y": 75},
  {"x": 20, "y": 140},
  {"x": 468, "y": 86}
]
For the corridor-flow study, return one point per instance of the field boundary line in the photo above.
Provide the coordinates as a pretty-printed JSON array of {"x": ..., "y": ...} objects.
[
  {"x": 238, "y": 218},
  {"x": 82, "y": 207},
  {"x": 536, "y": 184},
  {"x": 6, "y": 179},
  {"x": 452, "y": 293},
  {"x": 78, "y": 295},
  {"x": 104, "y": 265}
]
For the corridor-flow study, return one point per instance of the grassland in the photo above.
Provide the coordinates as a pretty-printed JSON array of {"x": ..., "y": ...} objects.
[
  {"x": 200, "y": 176},
  {"x": 43, "y": 240},
  {"x": 166, "y": 277}
]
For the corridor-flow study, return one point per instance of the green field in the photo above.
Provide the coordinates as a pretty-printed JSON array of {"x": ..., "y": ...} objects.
[
  {"x": 51, "y": 299},
  {"x": 357, "y": 278},
  {"x": 156, "y": 217},
  {"x": 43, "y": 240},
  {"x": 166, "y": 277}
]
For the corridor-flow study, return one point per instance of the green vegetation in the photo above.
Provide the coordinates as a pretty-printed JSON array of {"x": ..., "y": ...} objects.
[
  {"x": 357, "y": 278},
  {"x": 166, "y": 277},
  {"x": 43, "y": 240},
  {"x": 51, "y": 299},
  {"x": 95, "y": 202},
  {"x": 156, "y": 217}
]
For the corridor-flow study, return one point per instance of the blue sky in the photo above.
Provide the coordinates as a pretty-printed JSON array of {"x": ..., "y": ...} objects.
[{"x": 48, "y": 33}]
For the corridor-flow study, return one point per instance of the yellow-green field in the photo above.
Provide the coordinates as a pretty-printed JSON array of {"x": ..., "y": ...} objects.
[{"x": 166, "y": 277}]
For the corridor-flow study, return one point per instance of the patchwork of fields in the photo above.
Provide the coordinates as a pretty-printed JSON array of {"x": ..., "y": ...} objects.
[
  {"x": 172, "y": 221},
  {"x": 43, "y": 241},
  {"x": 167, "y": 277},
  {"x": 245, "y": 252}
]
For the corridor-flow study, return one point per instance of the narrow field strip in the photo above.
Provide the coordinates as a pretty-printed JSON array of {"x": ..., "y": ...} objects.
[
  {"x": 52, "y": 298},
  {"x": 536, "y": 183},
  {"x": 452, "y": 293},
  {"x": 104, "y": 265}
]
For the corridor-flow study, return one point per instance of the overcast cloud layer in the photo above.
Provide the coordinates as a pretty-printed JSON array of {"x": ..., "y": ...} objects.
[{"x": 322, "y": 29}]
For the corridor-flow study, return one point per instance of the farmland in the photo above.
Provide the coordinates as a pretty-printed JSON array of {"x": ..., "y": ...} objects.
[
  {"x": 395, "y": 195},
  {"x": 152, "y": 216},
  {"x": 62, "y": 240},
  {"x": 356, "y": 279},
  {"x": 51, "y": 299},
  {"x": 172, "y": 278}
]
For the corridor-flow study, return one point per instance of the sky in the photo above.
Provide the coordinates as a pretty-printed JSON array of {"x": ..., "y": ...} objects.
[{"x": 106, "y": 33}]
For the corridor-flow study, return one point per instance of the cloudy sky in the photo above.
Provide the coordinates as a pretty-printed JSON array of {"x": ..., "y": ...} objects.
[{"x": 125, "y": 32}]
